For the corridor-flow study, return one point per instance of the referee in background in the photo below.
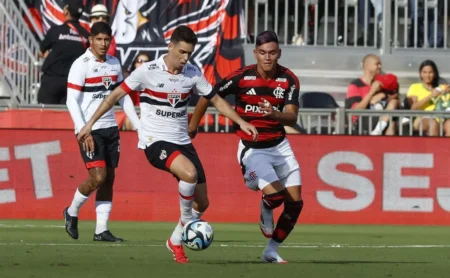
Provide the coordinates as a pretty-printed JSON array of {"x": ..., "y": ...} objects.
[{"x": 61, "y": 46}]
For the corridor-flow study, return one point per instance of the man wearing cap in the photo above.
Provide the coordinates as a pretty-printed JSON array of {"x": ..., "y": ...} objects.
[
  {"x": 99, "y": 13},
  {"x": 374, "y": 91},
  {"x": 61, "y": 46}
]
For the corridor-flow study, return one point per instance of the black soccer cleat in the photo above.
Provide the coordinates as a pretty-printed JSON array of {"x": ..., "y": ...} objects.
[
  {"x": 107, "y": 236},
  {"x": 71, "y": 224}
]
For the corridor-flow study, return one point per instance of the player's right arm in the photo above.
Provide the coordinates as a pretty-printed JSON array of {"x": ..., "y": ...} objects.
[
  {"x": 132, "y": 83},
  {"x": 75, "y": 84},
  {"x": 227, "y": 86},
  {"x": 46, "y": 44}
]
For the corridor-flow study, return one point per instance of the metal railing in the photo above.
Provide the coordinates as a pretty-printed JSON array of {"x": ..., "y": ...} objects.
[
  {"x": 385, "y": 24},
  {"x": 19, "y": 65},
  {"x": 321, "y": 121}
]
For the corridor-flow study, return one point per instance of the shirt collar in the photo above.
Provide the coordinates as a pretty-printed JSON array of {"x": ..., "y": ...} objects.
[
  {"x": 89, "y": 52},
  {"x": 163, "y": 65}
]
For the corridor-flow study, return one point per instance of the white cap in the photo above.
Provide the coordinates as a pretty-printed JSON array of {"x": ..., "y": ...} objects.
[{"x": 99, "y": 10}]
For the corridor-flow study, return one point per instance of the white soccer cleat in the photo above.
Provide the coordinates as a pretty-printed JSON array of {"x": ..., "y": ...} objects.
[
  {"x": 266, "y": 221},
  {"x": 272, "y": 257}
]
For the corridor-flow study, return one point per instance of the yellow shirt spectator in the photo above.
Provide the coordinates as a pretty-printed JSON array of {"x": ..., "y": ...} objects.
[{"x": 418, "y": 90}]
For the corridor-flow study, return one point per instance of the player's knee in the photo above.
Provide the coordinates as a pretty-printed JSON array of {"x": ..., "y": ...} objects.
[
  {"x": 274, "y": 200},
  {"x": 293, "y": 209},
  {"x": 190, "y": 175},
  {"x": 98, "y": 179}
]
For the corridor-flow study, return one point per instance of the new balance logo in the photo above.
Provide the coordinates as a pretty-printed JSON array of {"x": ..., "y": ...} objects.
[
  {"x": 251, "y": 92},
  {"x": 160, "y": 85}
]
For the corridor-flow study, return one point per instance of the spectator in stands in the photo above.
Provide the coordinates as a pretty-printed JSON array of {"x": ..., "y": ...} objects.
[
  {"x": 374, "y": 91},
  {"x": 421, "y": 24},
  {"x": 425, "y": 95},
  {"x": 139, "y": 61},
  {"x": 61, "y": 46},
  {"x": 377, "y": 9},
  {"x": 99, "y": 13}
]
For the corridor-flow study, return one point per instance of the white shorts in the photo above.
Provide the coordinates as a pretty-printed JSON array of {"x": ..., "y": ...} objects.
[{"x": 261, "y": 167}]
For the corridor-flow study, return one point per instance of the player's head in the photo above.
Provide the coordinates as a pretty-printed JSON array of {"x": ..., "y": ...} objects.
[
  {"x": 371, "y": 64},
  {"x": 267, "y": 50},
  {"x": 429, "y": 73},
  {"x": 100, "y": 38},
  {"x": 182, "y": 44},
  {"x": 99, "y": 13},
  {"x": 73, "y": 8},
  {"x": 140, "y": 60}
]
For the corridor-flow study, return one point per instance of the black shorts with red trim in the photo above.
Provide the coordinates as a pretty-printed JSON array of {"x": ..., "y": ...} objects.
[
  {"x": 161, "y": 155},
  {"x": 106, "y": 150}
]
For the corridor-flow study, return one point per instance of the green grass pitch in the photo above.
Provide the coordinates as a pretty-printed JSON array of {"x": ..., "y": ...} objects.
[{"x": 43, "y": 249}]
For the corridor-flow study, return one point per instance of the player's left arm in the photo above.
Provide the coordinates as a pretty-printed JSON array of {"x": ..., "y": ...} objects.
[{"x": 289, "y": 116}]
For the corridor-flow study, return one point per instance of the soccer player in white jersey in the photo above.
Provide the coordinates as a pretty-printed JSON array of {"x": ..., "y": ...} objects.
[
  {"x": 266, "y": 96},
  {"x": 166, "y": 85},
  {"x": 92, "y": 77}
]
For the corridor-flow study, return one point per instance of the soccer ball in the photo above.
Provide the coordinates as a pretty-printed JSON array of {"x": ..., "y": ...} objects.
[{"x": 197, "y": 235}]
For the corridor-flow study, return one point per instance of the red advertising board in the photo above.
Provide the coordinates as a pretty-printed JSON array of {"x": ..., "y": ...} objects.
[{"x": 346, "y": 179}]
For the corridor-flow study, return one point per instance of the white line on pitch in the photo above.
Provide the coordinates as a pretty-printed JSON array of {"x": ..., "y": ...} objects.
[
  {"x": 228, "y": 245},
  {"x": 29, "y": 226}
]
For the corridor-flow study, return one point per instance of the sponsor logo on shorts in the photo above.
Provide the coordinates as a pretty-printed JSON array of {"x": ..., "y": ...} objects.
[{"x": 163, "y": 155}]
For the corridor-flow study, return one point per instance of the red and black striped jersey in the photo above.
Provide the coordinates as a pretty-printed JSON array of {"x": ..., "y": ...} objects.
[{"x": 249, "y": 88}]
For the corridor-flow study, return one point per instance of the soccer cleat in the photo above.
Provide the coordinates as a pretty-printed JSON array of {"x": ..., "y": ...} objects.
[
  {"x": 266, "y": 221},
  {"x": 178, "y": 253},
  {"x": 107, "y": 236},
  {"x": 71, "y": 224},
  {"x": 272, "y": 257}
]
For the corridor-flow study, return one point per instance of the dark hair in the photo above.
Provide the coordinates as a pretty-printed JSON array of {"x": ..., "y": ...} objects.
[
  {"x": 133, "y": 65},
  {"x": 436, "y": 79},
  {"x": 266, "y": 37},
  {"x": 184, "y": 34},
  {"x": 101, "y": 28},
  {"x": 75, "y": 8}
]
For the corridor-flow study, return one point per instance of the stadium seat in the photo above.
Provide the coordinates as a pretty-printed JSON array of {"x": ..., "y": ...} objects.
[{"x": 317, "y": 100}]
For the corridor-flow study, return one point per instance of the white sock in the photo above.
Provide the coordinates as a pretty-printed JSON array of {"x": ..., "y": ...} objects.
[
  {"x": 186, "y": 191},
  {"x": 78, "y": 200},
  {"x": 196, "y": 214},
  {"x": 103, "y": 209},
  {"x": 175, "y": 238},
  {"x": 272, "y": 246},
  {"x": 379, "y": 128}
]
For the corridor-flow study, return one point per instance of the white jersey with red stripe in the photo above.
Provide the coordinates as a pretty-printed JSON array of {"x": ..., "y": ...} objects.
[
  {"x": 96, "y": 80},
  {"x": 164, "y": 98}
]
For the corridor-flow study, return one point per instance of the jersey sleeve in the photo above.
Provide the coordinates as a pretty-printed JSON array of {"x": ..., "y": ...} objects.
[
  {"x": 202, "y": 87},
  {"x": 229, "y": 85},
  {"x": 77, "y": 76},
  {"x": 135, "y": 81},
  {"x": 292, "y": 97}
]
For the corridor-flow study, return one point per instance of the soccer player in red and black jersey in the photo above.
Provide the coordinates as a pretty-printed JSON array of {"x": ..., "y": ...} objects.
[{"x": 267, "y": 97}]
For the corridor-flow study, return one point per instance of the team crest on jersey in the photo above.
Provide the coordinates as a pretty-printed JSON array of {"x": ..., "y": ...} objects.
[
  {"x": 174, "y": 99},
  {"x": 163, "y": 155},
  {"x": 107, "y": 82}
]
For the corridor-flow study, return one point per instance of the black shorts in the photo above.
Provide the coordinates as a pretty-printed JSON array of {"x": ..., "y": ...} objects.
[
  {"x": 161, "y": 154},
  {"x": 107, "y": 149}
]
